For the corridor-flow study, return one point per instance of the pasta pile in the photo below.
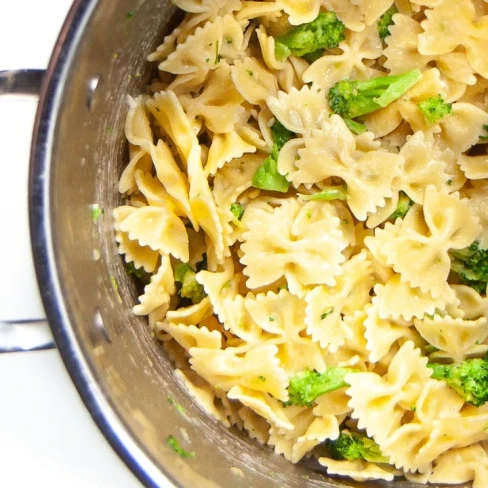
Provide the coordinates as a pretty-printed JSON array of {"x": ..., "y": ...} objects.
[{"x": 295, "y": 283}]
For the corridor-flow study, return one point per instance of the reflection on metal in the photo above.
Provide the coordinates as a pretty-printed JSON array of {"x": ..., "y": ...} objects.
[{"x": 92, "y": 87}]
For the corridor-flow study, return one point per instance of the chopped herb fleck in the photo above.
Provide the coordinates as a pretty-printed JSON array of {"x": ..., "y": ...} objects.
[
  {"x": 217, "y": 55},
  {"x": 173, "y": 442},
  {"x": 449, "y": 182},
  {"x": 130, "y": 15},
  {"x": 229, "y": 40},
  {"x": 115, "y": 286},
  {"x": 326, "y": 313},
  {"x": 413, "y": 408},
  {"x": 96, "y": 212},
  {"x": 271, "y": 318},
  {"x": 178, "y": 407},
  {"x": 261, "y": 378},
  {"x": 250, "y": 73},
  {"x": 309, "y": 214}
]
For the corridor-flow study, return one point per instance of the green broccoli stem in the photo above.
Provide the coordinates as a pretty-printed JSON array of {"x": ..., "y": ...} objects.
[
  {"x": 353, "y": 98},
  {"x": 328, "y": 194}
]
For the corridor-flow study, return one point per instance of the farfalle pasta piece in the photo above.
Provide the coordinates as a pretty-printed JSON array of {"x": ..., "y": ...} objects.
[
  {"x": 300, "y": 11},
  {"x": 235, "y": 178},
  {"x": 463, "y": 128},
  {"x": 297, "y": 356},
  {"x": 380, "y": 403},
  {"x": 218, "y": 286},
  {"x": 211, "y": 8},
  {"x": 158, "y": 292},
  {"x": 474, "y": 167},
  {"x": 169, "y": 174},
  {"x": 440, "y": 423},
  {"x": 452, "y": 23},
  {"x": 202, "y": 393},
  {"x": 302, "y": 242},
  {"x": 141, "y": 256},
  {"x": 227, "y": 368},
  {"x": 396, "y": 299},
  {"x": 255, "y": 9},
  {"x": 140, "y": 160},
  {"x": 219, "y": 104},
  {"x": 357, "y": 51},
  {"x": 263, "y": 404},
  {"x": 256, "y": 426},
  {"x": 284, "y": 440},
  {"x": 417, "y": 246},
  {"x": 368, "y": 175},
  {"x": 137, "y": 128},
  {"x": 191, "y": 315},
  {"x": 281, "y": 316},
  {"x": 425, "y": 164},
  {"x": 478, "y": 204},
  {"x": 253, "y": 81},
  {"x": 328, "y": 306},
  {"x": 461, "y": 466},
  {"x": 357, "y": 14},
  {"x": 456, "y": 336},
  {"x": 300, "y": 111},
  {"x": 357, "y": 470},
  {"x": 381, "y": 334},
  {"x": 189, "y": 336},
  {"x": 158, "y": 228},
  {"x": 471, "y": 303},
  {"x": 225, "y": 148},
  {"x": 202, "y": 51}
]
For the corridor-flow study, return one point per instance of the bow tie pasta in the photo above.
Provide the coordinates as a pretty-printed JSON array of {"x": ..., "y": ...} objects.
[{"x": 305, "y": 214}]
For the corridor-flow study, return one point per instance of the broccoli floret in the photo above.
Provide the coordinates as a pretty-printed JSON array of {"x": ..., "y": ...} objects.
[
  {"x": 468, "y": 378},
  {"x": 139, "y": 273},
  {"x": 352, "y": 446},
  {"x": 484, "y": 137},
  {"x": 385, "y": 21},
  {"x": 190, "y": 288},
  {"x": 325, "y": 32},
  {"x": 308, "y": 385},
  {"x": 237, "y": 210},
  {"x": 267, "y": 176},
  {"x": 352, "y": 98},
  {"x": 403, "y": 206},
  {"x": 434, "y": 109},
  {"x": 471, "y": 265},
  {"x": 332, "y": 193},
  {"x": 355, "y": 126}
]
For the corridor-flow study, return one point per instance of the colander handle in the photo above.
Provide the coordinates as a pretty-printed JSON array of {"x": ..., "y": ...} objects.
[
  {"x": 25, "y": 82},
  {"x": 23, "y": 335}
]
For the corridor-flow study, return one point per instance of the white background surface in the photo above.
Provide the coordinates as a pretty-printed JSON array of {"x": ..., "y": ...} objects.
[{"x": 47, "y": 437}]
